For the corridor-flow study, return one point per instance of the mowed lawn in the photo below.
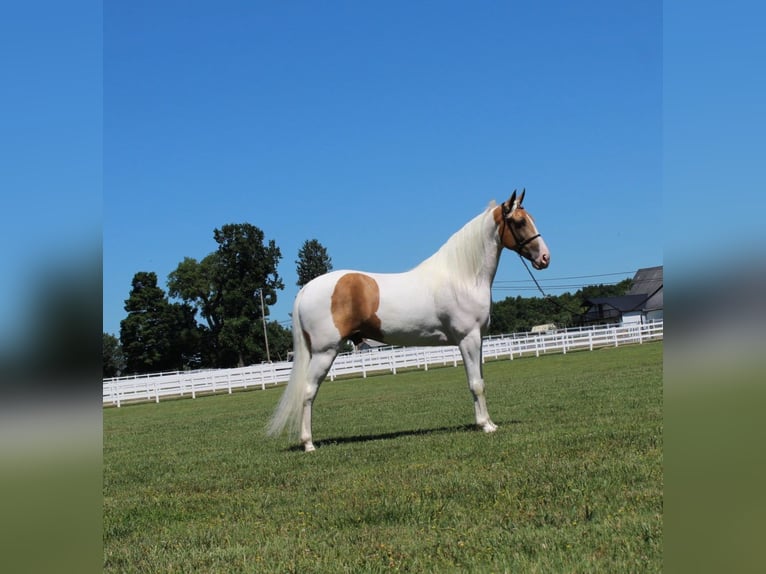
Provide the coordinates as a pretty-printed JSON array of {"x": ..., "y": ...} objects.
[{"x": 400, "y": 481}]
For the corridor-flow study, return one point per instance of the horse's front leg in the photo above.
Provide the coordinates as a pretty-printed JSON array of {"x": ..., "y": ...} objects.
[{"x": 470, "y": 349}]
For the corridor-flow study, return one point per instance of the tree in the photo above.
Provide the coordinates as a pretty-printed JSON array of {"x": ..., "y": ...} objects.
[
  {"x": 226, "y": 287},
  {"x": 112, "y": 357},
  {"x": 312, "y": 261},
  {"x": 280, "y": 341},
  {"x": 602, "y": 290},
  {"x": 156, "y": 335}
]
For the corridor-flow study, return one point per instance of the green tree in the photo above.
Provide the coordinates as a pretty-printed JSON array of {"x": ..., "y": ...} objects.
[
  {"x": 280, "y": 341},
  {"x": 156, "y": 335},
  {"x": 112, "y": 358},
  {"x": 186, "y": 336},
  {"x": 226, "y": 288},
  {"x": 602, "y": 290},
  {"x": 312, "y": 261}
]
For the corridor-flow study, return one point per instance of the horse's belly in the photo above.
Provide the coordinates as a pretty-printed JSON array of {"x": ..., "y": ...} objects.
[
  {"x": 412, "y": 321},
  {"x": 416, "y": 337}
]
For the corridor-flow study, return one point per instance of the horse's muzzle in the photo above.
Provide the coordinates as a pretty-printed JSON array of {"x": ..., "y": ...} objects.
[{"x": 542, "y": 261}]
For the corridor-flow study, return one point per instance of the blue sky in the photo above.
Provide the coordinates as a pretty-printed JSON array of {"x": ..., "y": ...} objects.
[{"x": 379, "y": 129}]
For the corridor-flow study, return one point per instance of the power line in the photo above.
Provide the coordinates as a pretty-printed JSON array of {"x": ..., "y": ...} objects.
[
  {"x": 523, "y": 285},
  {"x": 560, "y": 286},
  {"x": 570, "y": 277},
  {"x": 532, "y": 287}
]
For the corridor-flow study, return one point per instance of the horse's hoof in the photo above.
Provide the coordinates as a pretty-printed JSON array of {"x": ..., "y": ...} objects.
[
  {"x": 489, "y": 427},
  {"x": 309, "y": 447}
]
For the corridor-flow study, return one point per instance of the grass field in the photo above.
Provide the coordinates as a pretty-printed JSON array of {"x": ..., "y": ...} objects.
[{"x": 571, "y": 481}]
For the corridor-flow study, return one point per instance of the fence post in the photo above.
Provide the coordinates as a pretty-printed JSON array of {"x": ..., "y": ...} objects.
[{"x": 119, "y": 395}]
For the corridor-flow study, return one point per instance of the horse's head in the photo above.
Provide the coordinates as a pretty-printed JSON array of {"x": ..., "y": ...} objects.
[{"x": 518, "y": 231}]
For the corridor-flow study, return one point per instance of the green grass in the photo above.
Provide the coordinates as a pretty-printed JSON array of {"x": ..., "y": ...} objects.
[{"x": 571, "y": 481}]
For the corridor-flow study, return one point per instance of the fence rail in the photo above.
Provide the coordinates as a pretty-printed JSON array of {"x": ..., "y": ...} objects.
[{"x": 153, "y": 387}]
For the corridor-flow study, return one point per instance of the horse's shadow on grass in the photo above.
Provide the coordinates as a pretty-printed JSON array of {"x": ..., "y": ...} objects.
[{"x": 398, "y": 434}]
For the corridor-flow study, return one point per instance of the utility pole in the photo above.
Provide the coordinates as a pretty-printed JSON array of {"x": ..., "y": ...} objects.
[{"x": 265, "y": 334}]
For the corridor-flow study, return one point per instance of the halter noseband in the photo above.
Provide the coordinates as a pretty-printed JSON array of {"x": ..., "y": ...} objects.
[{"x": 520, "y": 243}]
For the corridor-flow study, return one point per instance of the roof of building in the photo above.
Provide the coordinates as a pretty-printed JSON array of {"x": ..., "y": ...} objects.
[{"x": 648, "y": 282}]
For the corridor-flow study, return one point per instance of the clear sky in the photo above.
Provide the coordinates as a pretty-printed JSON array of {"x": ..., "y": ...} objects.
[{"x": 379, "y": 129}]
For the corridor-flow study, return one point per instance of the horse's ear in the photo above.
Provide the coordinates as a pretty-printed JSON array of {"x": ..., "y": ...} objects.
[
  {"x": 510, "y": 203},
  {"x": 521, "y": 197}
]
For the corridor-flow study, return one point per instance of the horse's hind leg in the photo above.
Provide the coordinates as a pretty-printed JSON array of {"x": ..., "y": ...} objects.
[
  {"x": 318, "y": 368},
  {"x": 470, "y": 349}
]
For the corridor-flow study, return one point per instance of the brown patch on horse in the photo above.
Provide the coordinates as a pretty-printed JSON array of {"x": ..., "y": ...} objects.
[{"x": 354, "y": 305}]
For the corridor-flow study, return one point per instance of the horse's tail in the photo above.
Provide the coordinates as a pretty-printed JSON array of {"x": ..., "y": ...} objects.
[{"x": 290, "y": 408}]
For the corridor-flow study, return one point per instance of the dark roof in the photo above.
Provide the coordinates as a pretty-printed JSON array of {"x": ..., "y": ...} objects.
[{"x": 648, "y": 282}]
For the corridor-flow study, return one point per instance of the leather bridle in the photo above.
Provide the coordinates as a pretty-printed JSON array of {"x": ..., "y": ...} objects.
[{"x": 520, "y": 243}]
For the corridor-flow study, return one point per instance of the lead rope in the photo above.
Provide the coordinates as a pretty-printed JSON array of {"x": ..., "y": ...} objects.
[
  {"x": 544, "y": 294},
  {"x": 521, "y": 244},
  {"x": 534, "y": 278}
]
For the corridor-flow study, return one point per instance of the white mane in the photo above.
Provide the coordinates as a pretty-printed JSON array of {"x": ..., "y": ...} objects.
[{"x": 464, "y": 256}]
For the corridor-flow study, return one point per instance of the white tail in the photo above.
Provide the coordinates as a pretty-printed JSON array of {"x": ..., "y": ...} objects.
[{"x": 290, "y": 408}]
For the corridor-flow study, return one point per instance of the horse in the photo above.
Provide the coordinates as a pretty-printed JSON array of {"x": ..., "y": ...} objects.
[{"x": 445, "y": 300}]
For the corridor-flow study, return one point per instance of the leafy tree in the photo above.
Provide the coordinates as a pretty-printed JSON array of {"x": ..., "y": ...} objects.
[
  {"x": 226, "y": 288},
  {"x": 156, "y": 335},
  {"x": 187, "y": 336},
  {"x": 280, "y": 341},
  {"x": 312, "y": 261},
  {"x": 112, "y": 358},
  {"x": 602, "y": 290}
]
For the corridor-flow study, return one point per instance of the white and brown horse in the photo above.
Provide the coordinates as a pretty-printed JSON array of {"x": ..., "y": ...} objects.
[{"x": 443, "y": 301}]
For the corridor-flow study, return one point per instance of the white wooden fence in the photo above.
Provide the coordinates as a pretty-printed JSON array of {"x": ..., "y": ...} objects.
[{"x": 152, "y": 387}]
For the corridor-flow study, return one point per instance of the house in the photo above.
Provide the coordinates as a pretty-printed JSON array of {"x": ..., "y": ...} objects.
[
  {"x": 369, "y": 345},
  {"x": 642, "y": 303}
]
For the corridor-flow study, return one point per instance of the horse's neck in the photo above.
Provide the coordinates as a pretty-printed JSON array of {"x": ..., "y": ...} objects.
[
  {"x": 470, "y": 256},
  {"x": 492, "y": 260}
]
